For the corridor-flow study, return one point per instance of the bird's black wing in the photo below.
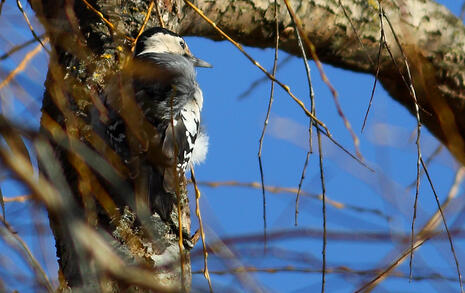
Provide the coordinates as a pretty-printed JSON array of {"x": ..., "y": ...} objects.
[{"x": 178, "y": 144}]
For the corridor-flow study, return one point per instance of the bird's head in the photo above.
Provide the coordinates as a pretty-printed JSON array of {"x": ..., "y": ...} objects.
[{"x": 159, "y": 40}]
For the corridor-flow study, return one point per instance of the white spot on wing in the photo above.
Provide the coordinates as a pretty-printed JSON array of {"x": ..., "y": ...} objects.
[{"x": 191, "y": 116}]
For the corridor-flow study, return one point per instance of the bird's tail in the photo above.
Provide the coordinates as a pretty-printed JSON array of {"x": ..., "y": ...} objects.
[{"x": 161, "y": 200}]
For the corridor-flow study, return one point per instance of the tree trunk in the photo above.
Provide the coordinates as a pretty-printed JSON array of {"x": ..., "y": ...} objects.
[
  {"x": 87, "y": 51},
  {"x": 86, "y": 54}
]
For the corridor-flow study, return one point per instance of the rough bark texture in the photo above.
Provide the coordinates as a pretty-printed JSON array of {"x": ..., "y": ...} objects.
[{"x": 87, "y": 52}]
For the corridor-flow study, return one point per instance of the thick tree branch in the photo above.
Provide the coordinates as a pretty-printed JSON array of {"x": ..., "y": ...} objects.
[{"x": 431, "y": 36}]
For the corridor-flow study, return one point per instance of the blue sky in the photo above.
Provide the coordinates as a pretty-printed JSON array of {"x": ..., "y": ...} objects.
[{"x": 234, "y": 125}]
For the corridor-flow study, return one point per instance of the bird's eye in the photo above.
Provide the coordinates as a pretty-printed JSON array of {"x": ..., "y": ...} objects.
[{"x": 183, "y": 45}]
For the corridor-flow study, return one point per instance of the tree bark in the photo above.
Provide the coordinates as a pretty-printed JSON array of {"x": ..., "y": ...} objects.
[
  {"x": 86, "y": 54},
  {"x": 87, "y": 51}
]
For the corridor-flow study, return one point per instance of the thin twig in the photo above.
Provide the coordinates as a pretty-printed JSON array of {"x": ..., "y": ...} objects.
[
  {"x": 340, "y": 236},
  {"x": 22, "y": 65},
  {"x": 417, "y": 116},
  {"x": 20, "y": 6},
  {"x": 299, "y": 188},
  {"x": 323, "y": 191},
  {"x": 428, "y": 161},
  {"x": 336, "y": 143},
  {"x": 102, "y": 17},
  {"x": 370, "y": 285},
  {"x": 282, "y": 85},
  {"x": 459, "y": 274},
  {"x": 22, "y": 248},
  {"x": 462, "y": 11},
  {"x": 299, "y": 32},
  {"x": 382, "y": 40},
  {"x": 1, "y": 6},
  {"x": 160, "y": 18},
  {"x": 263, "y": 79},
  {"x": 265, "y": 123},
  {"x": 409, "y": 83},
  {"x": 381, "y": 44},
  {"x": 312, "y": 106},
  {"x": 231, "y": 260},
  {"x": 19, "y": 47},
  {"x": 344, "y": 270},
  {"x": 54, "y": 200},
  {"x": 426, "y": 233},
  {"x": 178, "y": 193},
  {"x": 434, "y": 221},
  {"x": 325, "y": 79},
  {"x": 146, "y": 19},
  {"x": 112, "y": 27},
  {"x": 202, "y": 232},
  {"x": 356, "y": 32},
  {"x": 43, "y": 244},
  {"x": 19, "y": 198},
  {"x": 112, "y": 264},
  {"x": 2, "y": 204},
  {"x": 293, "y": 191}
]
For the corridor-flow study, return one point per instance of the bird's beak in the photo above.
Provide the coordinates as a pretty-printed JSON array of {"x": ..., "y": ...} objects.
[{"x": 199, "y": 62}]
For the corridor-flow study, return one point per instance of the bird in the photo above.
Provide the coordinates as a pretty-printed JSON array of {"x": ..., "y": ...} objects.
[{"x": 154, "y": 117}]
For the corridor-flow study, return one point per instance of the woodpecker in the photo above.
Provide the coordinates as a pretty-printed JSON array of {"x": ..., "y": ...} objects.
[{"x": 168, "y": 101}]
